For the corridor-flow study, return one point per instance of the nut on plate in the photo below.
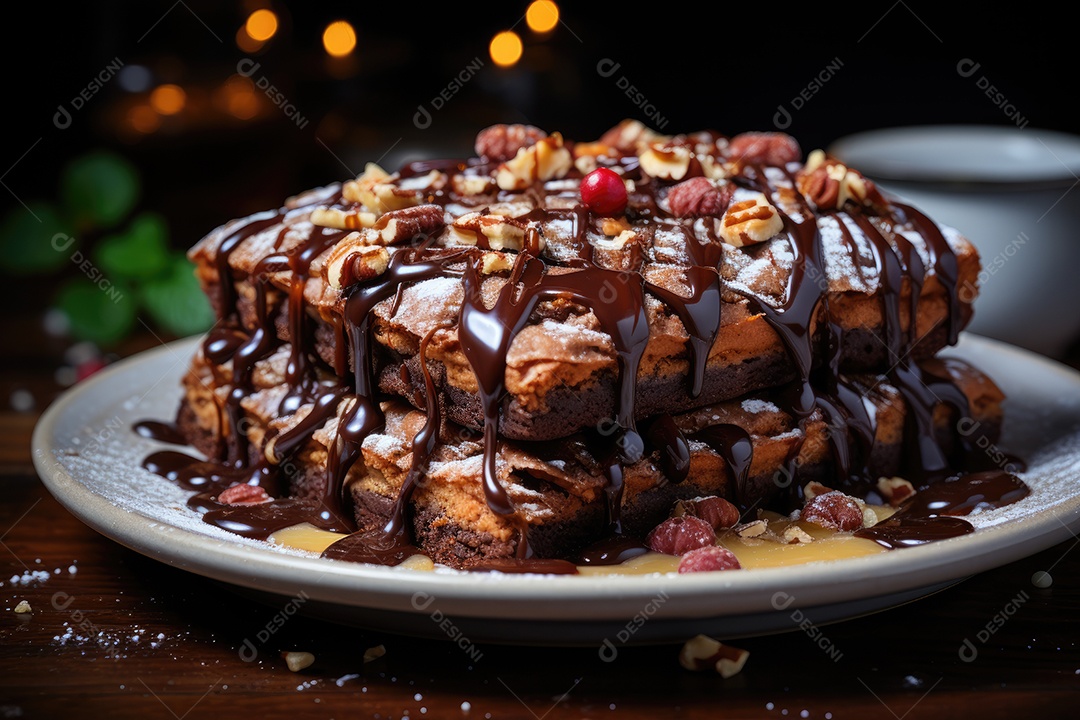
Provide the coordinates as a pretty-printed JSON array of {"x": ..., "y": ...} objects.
[
  {"x": 705, "y": 653},
  {"x": 297, "y": 661}
]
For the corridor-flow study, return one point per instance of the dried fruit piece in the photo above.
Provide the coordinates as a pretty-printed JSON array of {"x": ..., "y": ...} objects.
[
  {"x": 699, "y": 197},
  {"x": 680, "y": 535},
  {"x": 604, "y": 192},
  {"x": 705, "y": 653},
  {"x": 834, "y": 510},
  {"x": 709, "y": 559}
]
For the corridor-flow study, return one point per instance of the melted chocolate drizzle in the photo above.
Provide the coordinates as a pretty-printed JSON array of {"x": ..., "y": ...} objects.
[{"x": 617, "y": 299}]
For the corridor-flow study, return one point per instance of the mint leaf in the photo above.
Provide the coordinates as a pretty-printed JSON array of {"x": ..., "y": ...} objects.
[
  {"x": 176, "y": 301},
  {"x": 28, "y": 246},
  {"x": 99, "y": 189},
  {"x": 100, "y": 312},
  {"x": 140, "y": 253}
]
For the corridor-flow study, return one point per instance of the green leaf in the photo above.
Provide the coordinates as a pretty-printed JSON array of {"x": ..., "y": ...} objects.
[
  {"x": 99, "y": 189},
  {"x": 140, "y": 253},
  {"x": 97, "y": 310},
  {"x": 29, "y": 246},
  {"x": 176, "y": 301}
]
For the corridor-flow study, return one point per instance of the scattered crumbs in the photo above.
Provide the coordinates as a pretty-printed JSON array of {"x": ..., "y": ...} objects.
[
  {"x": 804, "y": 714},
  {"x": 30, "y": 576},
  {"x": 417, "y": 697},
  {"x": 769, "y": 706},
  {"x": 466, "y": 706},
  {"x": 828, "y": 716},
  {"x": 72, "y": 569},
  {"x": 340, "y": 682},
  {"x": 37, "y": 561},
  {"x": 611, "y": 706}
]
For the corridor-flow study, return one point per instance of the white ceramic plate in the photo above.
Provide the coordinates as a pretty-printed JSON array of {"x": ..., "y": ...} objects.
[{"x": 89, "y": 458}]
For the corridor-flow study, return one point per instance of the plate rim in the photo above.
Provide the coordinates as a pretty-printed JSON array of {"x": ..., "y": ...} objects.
[{"x": 528, "y": 596}]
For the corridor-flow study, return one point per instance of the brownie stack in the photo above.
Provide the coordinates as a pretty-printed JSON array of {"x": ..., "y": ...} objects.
[{"x": 550, "y": 343}]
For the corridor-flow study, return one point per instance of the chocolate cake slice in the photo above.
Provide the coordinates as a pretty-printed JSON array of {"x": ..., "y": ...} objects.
[{"x": 547, "y": 344}]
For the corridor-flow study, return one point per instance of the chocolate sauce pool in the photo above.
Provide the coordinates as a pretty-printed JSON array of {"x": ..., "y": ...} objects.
[{"x": 617, "y": 298}]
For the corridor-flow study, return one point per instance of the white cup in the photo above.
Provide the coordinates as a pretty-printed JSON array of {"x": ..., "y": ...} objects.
[{"x": 1015, "y": 193}]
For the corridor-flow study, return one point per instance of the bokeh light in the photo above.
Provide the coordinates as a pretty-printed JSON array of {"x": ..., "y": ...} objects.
[
  {"x": 168, "y": 99},
  {"x": 261, "y": 25},
  {"x": 339, "y": 38},
  {"x": 505, "y": 48},
  {"x": 542, "y": 16}
]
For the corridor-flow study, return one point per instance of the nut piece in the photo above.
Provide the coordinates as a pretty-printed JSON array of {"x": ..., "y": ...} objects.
[
  {"x": 753, "y": 529},
  {"x": 895, "y": 489},
  {"x": 23, "y": 607},
  {"x": 699, "y": 197},
  {"x": 793, "y": 535},
  {"x": 297, "y": 661},
  {"x": 665, "y": 161},
  {"x": 708, "y": 559},
  {"x": 495, "y": 262},
  {"x": 398, "y": 226},
  {"x": 545, "y": 160},
  {"x": 714, "y": 510},
  {"x": 360, "y": 189},
  {"x": 629, "y": 136},
  {"x": 374, "y": 653},
  {"x": 352, "y": 261},
  {"x": 705, "y": 653},
  {"x": 813, "y": 489},
  {"x": 834, "y": 510},
  {"x": 764, "y": 148},
  {"x": 615, "y": 243},
  {"x": 338, "y": 219},
  {"x": 750, "y": 221},
  {"x": 499, "y": 143},
  {"x": 680, "y": 535},
  {"x": 829, "y": 184},
  {"x": 495, "y": 231},
  {"x": 472, "y": 184},
  {"x": 243, "y": 494}
]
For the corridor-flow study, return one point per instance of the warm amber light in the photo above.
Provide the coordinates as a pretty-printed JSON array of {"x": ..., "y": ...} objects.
[
  {"x": 239, "y": 97},
  {"x": 505, "y": 48},
  {"x": 542, "y": 16},
  {"x": 247, "y": 43},
  {"x": 339, "y": 38},
  {"x": 144, "y": 119},
  {"x": 261, "y": 25},
  {"x": 168, "y": 99}
]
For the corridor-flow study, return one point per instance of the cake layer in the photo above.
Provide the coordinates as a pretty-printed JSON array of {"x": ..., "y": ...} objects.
[
  {"x": 561, "y": 367},
  {"x": 557, "y": 488}
]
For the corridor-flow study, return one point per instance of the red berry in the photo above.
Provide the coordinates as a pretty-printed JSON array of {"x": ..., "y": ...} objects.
[
  {"x": 707, "y": 559},
  {"x": 604, "y": 192},
  {"x": 676, "y": 536}
]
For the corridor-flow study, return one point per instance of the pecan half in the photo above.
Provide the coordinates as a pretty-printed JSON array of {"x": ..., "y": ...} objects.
[
  {"x": 499, "y": 143},
  {"x": 699, "y": 197},
  {"x": 764, "y": 148}
]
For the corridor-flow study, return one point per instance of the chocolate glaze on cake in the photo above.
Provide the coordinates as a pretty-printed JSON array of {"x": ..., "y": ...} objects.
[{"x": 532, "y": 274}]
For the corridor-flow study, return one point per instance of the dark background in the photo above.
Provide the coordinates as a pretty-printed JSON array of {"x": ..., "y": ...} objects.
[{"x": 713, "y": 65}]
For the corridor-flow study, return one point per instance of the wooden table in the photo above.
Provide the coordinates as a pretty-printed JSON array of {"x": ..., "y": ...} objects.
[{"x": 115, "y": 634}]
